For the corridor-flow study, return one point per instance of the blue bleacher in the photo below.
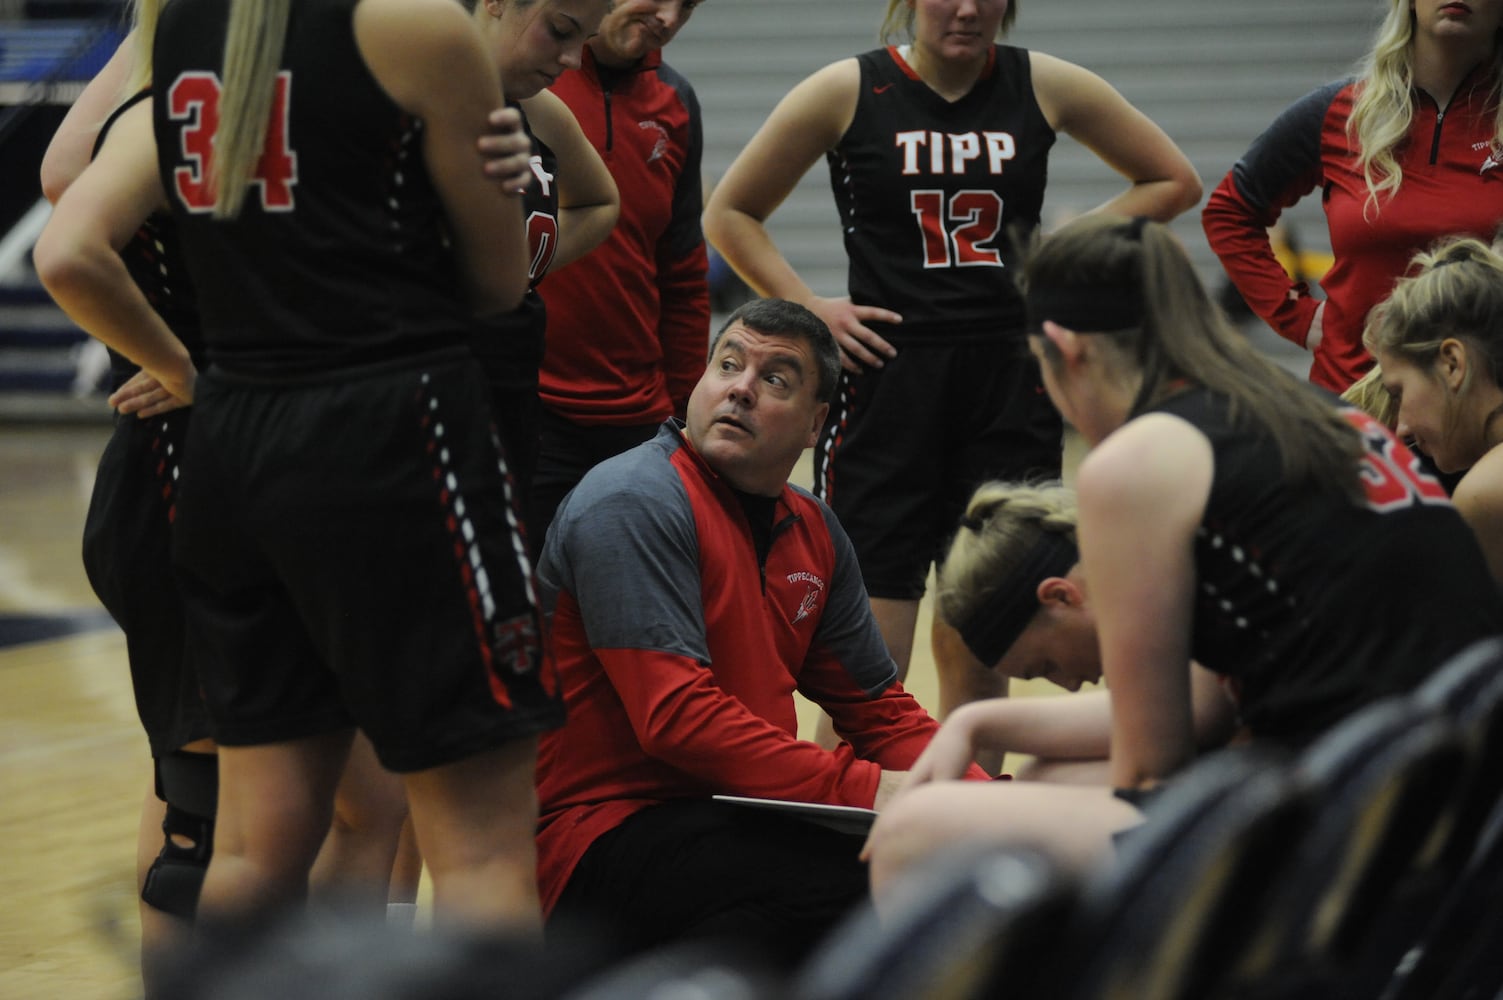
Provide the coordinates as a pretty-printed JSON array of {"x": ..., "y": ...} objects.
[
  {"x": 44, "y": 62},
  {"x": 55, "y": 50}
]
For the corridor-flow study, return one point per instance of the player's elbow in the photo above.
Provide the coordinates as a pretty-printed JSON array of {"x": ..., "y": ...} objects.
[
  {"x": 54, "y": 183},
  {"x": 721, "y": 222},
  {"x": 63, "y": 262},
  {"x": 60, "y": 168},
  {"x": 1188, "y": 189},
  {"x": 497, "y": 295},
  {"x": 1176, "y": 192}
]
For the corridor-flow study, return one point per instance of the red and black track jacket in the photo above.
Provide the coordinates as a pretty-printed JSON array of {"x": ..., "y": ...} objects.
[
  {"x": 1452, "y": 185},
  {"x": 628, "y": 324}
]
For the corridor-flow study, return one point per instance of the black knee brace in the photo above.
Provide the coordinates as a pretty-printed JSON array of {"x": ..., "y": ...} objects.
[{"x": 189, "y": 784}]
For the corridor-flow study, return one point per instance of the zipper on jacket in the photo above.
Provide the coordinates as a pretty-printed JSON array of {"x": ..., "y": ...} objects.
[
  {"x": 772, "y": 539},
  {"x": 609, "y": 131},
  {"x": 1440, "y": 112}
]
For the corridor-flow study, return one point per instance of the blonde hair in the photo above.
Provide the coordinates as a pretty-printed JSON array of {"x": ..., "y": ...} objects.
[
  {"x": 252, "y": 55},
  {"x": 1384, "y": 110},
  {"x": 1455, "y": 291},
  {"x": 899, "y": 20},
  {"x": 1003, "y": 522},
  {"x": 1182, "y": 336},
  {"x": 143, "y": 16},
  {"x": 1368, "y": 395}
]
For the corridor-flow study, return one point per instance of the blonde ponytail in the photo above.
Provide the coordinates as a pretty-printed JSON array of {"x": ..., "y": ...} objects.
[
  {"x": 1003, "y": 522},
  {"x": 144, "y": 14},
  {"x": 252, "y": 55}
]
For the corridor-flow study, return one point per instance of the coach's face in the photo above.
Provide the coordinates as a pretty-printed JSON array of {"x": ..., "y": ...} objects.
[
  {"x": 755, "y": 409},
  {"x": 634, "y": 28}
]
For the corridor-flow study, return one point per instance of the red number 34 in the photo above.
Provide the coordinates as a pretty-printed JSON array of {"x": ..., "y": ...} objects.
[{"x": 194, "y": 99}]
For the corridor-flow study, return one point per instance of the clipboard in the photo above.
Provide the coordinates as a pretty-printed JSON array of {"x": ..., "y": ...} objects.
[{"x": 845, "y": 819}]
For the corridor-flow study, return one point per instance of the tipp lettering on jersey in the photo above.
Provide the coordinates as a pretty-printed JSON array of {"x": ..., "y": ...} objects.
[
  {"x": 951, "y": 154},
  {"x": 959, "y": 228}
]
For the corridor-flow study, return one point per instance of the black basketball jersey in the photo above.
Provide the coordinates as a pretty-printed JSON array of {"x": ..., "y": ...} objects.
[
  {"x": 1311, "y": 605},
  {"x": 518, "y": 337},
  {"x": 154, "y": 259},
  {"x": 931, "y": 192},
  {"x": 340, "y": 255}
]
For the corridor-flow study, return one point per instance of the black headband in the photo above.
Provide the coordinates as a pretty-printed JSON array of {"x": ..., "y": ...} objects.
[
  {"x": 1086, "y": 308},
  {"x": 996, "y": 625}
]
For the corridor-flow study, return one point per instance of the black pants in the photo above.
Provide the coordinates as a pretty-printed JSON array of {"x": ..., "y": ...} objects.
[
  {"x": 706, "y": 870},
  {"x": 566, "y": 451}
]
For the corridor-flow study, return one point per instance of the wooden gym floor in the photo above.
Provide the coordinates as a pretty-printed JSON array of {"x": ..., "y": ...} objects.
[{"x": 73, "y": 761}]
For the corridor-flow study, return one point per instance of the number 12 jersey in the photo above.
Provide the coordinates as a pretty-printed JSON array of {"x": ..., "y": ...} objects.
[{"x": 933, "y": 193}]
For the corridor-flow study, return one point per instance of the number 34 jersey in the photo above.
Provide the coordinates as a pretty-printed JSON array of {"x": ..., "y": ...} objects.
[
  {"x": 340, "y": 254},
  {"x": 932, "y": 194}
]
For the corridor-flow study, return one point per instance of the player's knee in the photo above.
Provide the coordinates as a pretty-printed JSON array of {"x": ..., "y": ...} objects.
[{"x": 189, "y": 784}]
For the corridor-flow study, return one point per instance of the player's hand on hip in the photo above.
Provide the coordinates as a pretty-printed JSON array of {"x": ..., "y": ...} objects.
[
  {"x": 145, "y": 395},
  {"x": 860, "y": 346}
]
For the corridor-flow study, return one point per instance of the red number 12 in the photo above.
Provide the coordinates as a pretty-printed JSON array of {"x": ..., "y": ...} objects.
[{"x": 972, "y": 218}]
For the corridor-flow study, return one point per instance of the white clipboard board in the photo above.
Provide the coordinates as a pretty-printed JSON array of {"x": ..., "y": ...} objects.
[{"x": 845, "y": 819}]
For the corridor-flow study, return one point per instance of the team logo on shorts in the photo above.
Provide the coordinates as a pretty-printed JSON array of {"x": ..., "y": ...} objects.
[{"x": 810, "y": 603}]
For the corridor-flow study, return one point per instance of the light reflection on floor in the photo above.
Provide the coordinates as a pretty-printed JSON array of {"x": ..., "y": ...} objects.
[{"x": 46, "y": 473}]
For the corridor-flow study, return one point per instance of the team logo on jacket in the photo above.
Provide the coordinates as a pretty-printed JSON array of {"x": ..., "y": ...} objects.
[
  {"x": 1494, "y": 157},
  {"x": 661, "y": 145},
  {"x": 810, "y": 603}
]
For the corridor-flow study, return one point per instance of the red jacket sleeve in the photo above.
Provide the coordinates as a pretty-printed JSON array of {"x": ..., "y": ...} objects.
[
  {"x": 1239, "y": 235},
  {"x": 891, "y": 729},
  {"x": 683, "y": 718},
  {"x": 684, "y": 322},
  {"x": 683, "y": 268},
  {"x": 1281, "y": 166}
]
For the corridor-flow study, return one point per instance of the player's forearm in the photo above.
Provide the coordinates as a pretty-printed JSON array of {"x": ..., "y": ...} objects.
[{"x": 745, "y": 244}]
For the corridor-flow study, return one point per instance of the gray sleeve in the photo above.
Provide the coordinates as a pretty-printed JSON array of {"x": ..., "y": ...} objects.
[
  {"x": 1283, "y": 163},
  {"x": 624, "y": 545}
]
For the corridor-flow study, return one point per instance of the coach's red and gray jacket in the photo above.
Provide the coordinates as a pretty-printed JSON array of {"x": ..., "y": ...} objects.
[
  {"x": 628, "y": 324},
  {"x": 679, "y": 652}
]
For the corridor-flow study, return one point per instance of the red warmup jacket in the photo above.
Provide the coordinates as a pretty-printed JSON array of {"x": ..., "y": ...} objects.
[
  {"x": 1452, "y": 185},
  {"x": 628, "y": 324}
]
